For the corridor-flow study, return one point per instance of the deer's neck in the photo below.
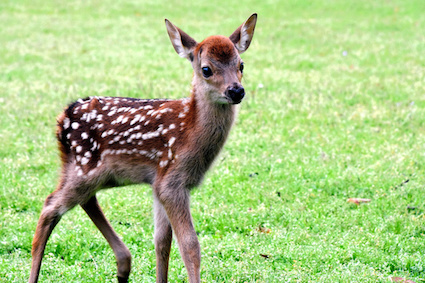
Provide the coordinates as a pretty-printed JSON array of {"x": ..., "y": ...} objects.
[
  {"x": 212, "y": 122},
  {"x": 211, "y": 125}
]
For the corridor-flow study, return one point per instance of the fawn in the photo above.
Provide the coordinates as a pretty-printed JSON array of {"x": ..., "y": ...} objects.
[{"x": 169, "y": 144}]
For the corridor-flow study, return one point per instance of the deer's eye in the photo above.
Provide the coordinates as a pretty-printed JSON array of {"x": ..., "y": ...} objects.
[
  {"x": 241, "y": 68},
  {"x": 206, "y": 72}
]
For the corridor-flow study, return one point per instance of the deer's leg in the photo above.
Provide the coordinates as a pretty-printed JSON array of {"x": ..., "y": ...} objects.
[
  {"x": 163, "y": 239},
  {"x": 122, "y": 254},
  {"x": 175, "y": 201},
  {"x": 56, "y": 204}
]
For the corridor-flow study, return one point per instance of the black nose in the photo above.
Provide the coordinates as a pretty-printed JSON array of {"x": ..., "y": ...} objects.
[{"x": 236, "y": 92}]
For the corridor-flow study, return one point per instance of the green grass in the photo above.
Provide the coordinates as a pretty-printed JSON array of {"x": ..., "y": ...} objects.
[{"x": 335, "y": 108}]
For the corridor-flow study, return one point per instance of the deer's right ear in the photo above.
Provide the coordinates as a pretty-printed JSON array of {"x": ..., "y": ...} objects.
[{"x": 182, "y": 42}]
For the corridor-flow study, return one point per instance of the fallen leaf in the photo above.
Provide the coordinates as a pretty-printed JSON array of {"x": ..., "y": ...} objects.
[
  {"x": 358, "y": 201},
  {"x": 262, "y": 229},
  {"x": 264, "y": 255}
]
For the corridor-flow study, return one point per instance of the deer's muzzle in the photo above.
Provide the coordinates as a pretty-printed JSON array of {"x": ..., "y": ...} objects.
[{"x": 235, "y": 93}]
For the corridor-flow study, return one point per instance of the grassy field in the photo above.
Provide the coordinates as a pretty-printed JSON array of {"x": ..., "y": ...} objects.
[{"x": 335, "y": 109}]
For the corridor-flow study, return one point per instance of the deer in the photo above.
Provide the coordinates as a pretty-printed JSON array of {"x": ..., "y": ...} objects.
[{"x": 107, "y": 142}]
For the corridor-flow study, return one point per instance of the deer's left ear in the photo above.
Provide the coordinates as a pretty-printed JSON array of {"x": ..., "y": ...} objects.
[
  {"x": 182, "y": 42},
  {"x": 242, "y": 36}
]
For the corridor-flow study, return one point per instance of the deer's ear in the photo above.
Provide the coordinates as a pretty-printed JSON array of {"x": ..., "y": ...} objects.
[
  {"x": 242, "y": 36},
  {"x": 182, "y": 42}
]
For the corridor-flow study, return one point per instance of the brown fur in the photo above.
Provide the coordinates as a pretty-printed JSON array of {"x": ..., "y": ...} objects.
[{"x": 170, "y": 144}]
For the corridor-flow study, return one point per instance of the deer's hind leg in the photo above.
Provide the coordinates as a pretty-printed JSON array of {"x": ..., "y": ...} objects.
[
  {"x": 122, "y": 254},
  {"x": 56, "y": 204}
]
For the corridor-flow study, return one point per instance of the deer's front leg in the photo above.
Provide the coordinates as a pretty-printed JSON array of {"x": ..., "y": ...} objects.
[
  {"x": 175, "y": 201},
  {"x": 163, "y": 239}
]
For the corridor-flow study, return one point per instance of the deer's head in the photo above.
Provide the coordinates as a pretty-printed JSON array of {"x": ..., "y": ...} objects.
[{"x": 216, "y": 61}]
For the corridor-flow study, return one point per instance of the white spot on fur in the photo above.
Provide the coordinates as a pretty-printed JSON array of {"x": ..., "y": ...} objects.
[
  {"x": 87, "y": 154},
  {"x": 172, "y": 126},
  {"x": 68, "y": 136},
  {"x": 171, "y": 141},
  {"x": 93, "y": 114},
  {"x": 163, "y": 163},
  {"x": 75, "y": 125},
  {"x": 118, "y": 120},
  {"x": 165, "y": 110},
  {"x": 66, "y": 123},
  {"x": 84, "y": 160},
  {"x": 84, "y": 135},
  {"x": 94, "y": 146},
  {"x": 136, "y": 119},
  {"x": 154, "y": 134},
  {"x": 79, "y": 149}
]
